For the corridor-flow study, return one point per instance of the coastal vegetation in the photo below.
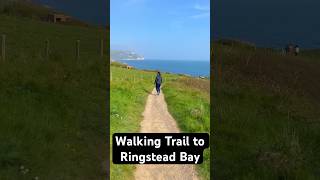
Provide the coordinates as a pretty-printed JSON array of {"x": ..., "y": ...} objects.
[
  {"x": 128, "y": 93},
  {"x": 52, "y": 105},
  {"x": 188, "y": 100},
  {"x": 265, "y": 113}
]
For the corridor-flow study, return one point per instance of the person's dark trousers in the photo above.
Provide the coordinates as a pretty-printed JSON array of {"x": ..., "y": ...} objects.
[{"x": 158, "y": 88}]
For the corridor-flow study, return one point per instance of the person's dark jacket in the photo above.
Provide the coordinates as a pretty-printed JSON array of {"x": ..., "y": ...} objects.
[{"x": 158, "y": 79}]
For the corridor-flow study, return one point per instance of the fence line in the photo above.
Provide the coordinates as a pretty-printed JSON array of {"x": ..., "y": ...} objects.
[
  {"x": 101, "y": 48},
  {"x": 3, "y": 48},
  {"x": 78, "y": 49},
  {"x": 47, "y": 48}
]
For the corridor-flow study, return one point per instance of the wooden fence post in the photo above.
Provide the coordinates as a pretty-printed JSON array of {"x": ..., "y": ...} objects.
[
  {"x": 3, "y": 47},
  {"x": 78, "y": 49},
  {"x": 47, "y": 48},
  {"x": 101, "y": 48}
]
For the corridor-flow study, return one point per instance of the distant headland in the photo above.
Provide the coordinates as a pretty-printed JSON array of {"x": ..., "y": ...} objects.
[{"x": 125, "y": 55}]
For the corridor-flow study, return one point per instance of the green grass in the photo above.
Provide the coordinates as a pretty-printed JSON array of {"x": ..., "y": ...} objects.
[
  {"x": 128, "y": 93},
  {"x": 53, "y": 110},
  {"x": 187, "y": 103},
  {"x": 31, "y": 10},
  {"x": 23, "y": 8},
  {"x": 265, "y": 115}
]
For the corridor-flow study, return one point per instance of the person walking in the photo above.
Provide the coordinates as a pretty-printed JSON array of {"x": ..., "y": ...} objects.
[{"x": 158, "y": 82}]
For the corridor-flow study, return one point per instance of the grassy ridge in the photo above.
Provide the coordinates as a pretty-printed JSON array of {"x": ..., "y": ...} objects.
[
  {"x": 188, "y": 101},
  {"x": 266, "y": 111},
  {"x": 24, "y": 8},
  {"x": 31, "y": 10},
  {"x": 52, "y": 109}
]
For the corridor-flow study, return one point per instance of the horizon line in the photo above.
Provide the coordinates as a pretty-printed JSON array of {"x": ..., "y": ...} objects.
[{"x": 150, "y": 59}]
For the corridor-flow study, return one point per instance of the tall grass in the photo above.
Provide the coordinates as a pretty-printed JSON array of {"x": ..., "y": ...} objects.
[
  {"x": 129, "y": 90},
  {"x": 265, "y": 115},
  {"x": 52, "y": 110},
  {"x": 31, "y": 10},
  {"x": 189, "y": 103}
]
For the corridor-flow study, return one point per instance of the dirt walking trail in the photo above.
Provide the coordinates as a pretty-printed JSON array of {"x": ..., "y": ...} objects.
[{"x": 157, "y": 119}]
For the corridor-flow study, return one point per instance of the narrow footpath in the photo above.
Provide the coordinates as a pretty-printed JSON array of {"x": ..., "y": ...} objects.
[{"x": 157, "y": 119}]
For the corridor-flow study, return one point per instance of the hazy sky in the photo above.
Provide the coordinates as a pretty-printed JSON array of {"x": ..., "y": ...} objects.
[
  {"x": 162, "y": 29},
  {"x": 92, "y": 11},
  {"x": 270, "y": 23}
]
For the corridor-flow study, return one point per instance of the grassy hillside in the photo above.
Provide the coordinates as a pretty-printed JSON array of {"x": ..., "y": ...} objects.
[
  {"x": 266, "y": 114},
  {"x": 31, "y": 10},
  {"x": 311, "y": 53},
  {"x": 128, "y": 93},
  {"x": 24, "y": 8},
  {"x": 187, "y": 102},
  {"x": 53, "y": 110}
]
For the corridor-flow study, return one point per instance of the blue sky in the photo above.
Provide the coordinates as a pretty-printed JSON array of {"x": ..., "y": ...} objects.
[
  {"x": 162, "y": 29},
  {"x": 268, "y": 23}
]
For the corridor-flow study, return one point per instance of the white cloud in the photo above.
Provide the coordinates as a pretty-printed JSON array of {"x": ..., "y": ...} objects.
[
  {"x": 203, "y": 11},
  {"x": 201, "y": 15},
  {"x": 201, "y": 7}
]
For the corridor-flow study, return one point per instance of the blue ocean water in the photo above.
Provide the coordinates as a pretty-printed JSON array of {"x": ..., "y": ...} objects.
[{"x": 193, "y": 68}]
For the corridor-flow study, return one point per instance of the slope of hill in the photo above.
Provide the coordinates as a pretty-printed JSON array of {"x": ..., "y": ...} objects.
[
  {"x": 266, "y": 114},
  {"x": 125, "y": 55},
  {"x": 52, "y": 109},
  {"x": 31, "y": 10}
]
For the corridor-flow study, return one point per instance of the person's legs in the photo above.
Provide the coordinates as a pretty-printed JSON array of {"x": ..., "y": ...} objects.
[{"x": 158, "y": 88}]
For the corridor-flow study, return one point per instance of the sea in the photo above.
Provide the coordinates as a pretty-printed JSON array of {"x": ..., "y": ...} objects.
[{"x": 193, "y": 68}]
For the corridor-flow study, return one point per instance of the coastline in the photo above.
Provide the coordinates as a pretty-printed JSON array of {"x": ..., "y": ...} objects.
[{"x": 187, "y": 68}]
